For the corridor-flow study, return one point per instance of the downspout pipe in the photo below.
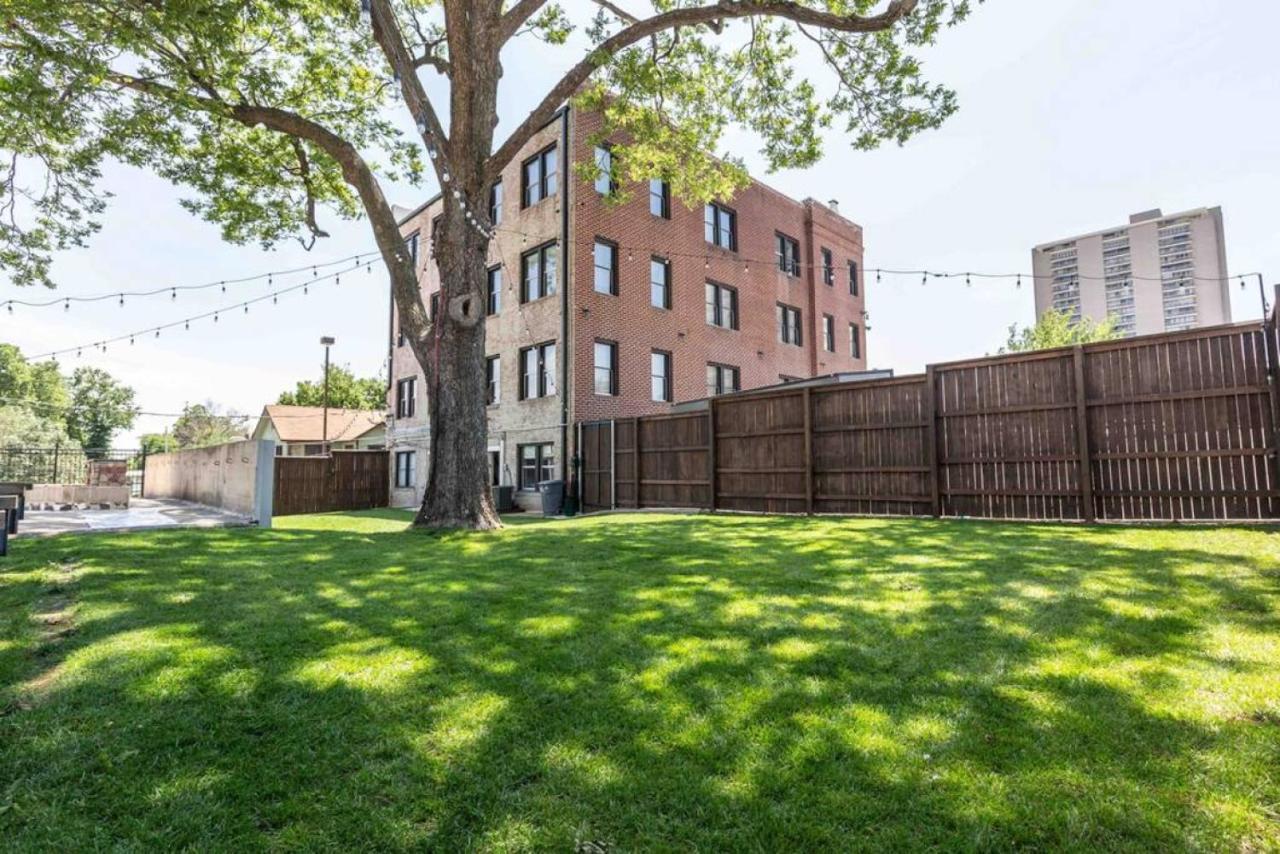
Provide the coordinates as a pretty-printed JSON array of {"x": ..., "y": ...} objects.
[{"x": 566, "y": 259}]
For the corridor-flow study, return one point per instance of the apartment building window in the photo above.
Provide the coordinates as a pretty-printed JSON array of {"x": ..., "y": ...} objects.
[
  {"x": 604, "y": 171},
  {"x": 853, "y": 278},
  {"x": 539, "y": 174},
  {"x": 538, "y": 272},
  {"x": 659, "y": 282},
  {"x": 495, "y": 202},
  {"x": 493, "y": 302},
  {"x": 788, "y": 251},
  {"x": 411, "y": 244},
  {"x": 406, "y": 397},
  {"x": 606, "y": 267},
  {"x": 828, "y": 268},
  {"x": 537, "y": 463},
  {"x": 722, "y": 305},
  {"x": 789, "y": 325},
  {"x": 828, "y": 333},
  {"x": 721, "y": 225},
  {"x": 722, "y": 379},
  {"x": 538, "y": 371},
  {"x": 606, "y": 368},
  {"x": 405, "y": 468},
  {"x": 659, "y": 198},
  {"x": 855, "y": 341},
  {"x": 493, "y": 380},
  {"x": 660, "y": 375}
]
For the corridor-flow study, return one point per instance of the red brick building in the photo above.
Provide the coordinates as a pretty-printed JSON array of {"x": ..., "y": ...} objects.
[{"x": 602, "y": 310}]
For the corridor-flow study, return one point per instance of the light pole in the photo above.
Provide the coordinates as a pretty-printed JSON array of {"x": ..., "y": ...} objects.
[{"x": 327, "y": 341}]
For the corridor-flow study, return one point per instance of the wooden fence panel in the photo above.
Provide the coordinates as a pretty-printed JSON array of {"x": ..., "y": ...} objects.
[
  {"x": 345, "y": 480},
  {"x": 1007, "y": 441},
  {"x": 760, "y": 450},
  {"x": 1175, "y": 426},
  {"x": 870, "y": 448},
  {"x": 596, "y": 448}
]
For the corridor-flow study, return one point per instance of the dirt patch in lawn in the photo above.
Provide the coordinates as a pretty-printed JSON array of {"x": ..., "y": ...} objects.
[{"x": 54, "y": 615}]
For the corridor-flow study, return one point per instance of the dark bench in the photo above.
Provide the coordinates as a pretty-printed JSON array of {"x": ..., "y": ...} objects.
[
  {"x": 9, "y": 525},
  {"x": 18, "y": 488}
]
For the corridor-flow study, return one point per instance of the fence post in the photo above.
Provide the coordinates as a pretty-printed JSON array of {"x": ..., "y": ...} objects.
[
  {"x": 613, "y": 464},
  {"x": 931, "y": 439},
  {"x": 1082, "y": 436},
  {"x": 711, "y": 453},
  {"x": 808, "y": 452},
  {"x": 57, "y": 446},
  {"x": 635, "y": 455},
  {"x": 1271, "y": 346}
]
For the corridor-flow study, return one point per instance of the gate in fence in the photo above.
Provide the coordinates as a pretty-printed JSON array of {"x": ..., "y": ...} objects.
[
  {"x": 344, "y": 480},
  {"x": 75, "y": 466},
  {"x": 1162, "y": 427}
]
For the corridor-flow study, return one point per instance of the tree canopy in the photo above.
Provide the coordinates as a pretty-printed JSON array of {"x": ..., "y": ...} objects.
[
  {"x": 100, "y": 405},
  {"x": 346, "y": 391},
  {"x": 1058, "y": 329},
  {"x": 272, "y": 113}
]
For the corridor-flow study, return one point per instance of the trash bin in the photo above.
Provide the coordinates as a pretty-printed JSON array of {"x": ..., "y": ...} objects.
[{"x": 552, "y": 496}]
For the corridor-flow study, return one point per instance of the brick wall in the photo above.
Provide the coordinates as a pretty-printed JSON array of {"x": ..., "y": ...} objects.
[{"x": 638, "y": 328}]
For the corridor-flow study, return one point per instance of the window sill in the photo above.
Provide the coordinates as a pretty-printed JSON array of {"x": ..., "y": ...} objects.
[{"x": 539, "y": 299}]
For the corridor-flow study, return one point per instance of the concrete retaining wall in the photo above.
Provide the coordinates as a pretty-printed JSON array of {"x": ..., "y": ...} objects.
[
  {"x": 237, "y": 476},
  {"x": 56, "y": 496}
]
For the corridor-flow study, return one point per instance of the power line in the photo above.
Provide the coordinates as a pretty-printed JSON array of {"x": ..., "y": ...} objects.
[
  {"x": 186, "y": 322},
  {"x": 173, "y": 290}
]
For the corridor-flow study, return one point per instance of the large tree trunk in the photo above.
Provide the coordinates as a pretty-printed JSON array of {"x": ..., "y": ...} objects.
[{"x": 457, "y": 494}]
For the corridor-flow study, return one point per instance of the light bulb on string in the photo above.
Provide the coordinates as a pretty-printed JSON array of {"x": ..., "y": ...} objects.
[
  {"x": 157, "y": 333},
  {"x": 274, "y": 300},
  {"x": 966, "y": 281},
  {"x": 130, "y": 340},
  {"x": 268, "y": 280},
  {"x": 66, "y": 305},
  {"x": 246, "y": 308},
  {"x": 224, "y": 287},
  {"x": 1019, "y": 284},
  {"x": 186, "y": 325},
  {"x": 122, "y": 299},
  {"x": 924, "y": 279},
  {"x": 215, "y": 317},
  {"x": 877, "y": 277}
]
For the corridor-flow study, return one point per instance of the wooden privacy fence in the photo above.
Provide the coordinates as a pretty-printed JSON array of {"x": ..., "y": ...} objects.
[
  {"x": 1173, "y": 426},
  {"x": 344, "y": 480}
]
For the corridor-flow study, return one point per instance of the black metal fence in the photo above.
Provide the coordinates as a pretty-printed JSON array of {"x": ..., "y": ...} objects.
[{"x": 69, "y": 465}]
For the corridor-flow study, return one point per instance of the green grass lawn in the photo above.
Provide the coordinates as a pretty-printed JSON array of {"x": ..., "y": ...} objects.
[{"x": 648, "y": 682}]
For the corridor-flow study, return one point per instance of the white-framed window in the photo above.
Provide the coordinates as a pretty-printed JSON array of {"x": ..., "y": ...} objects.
[
  {"x": 722, "y": 379},
  {"x": 659, "y": 198},
  {"x": 788, "y": 252},
  {"x": 406, "y": 397},
  {"x": 539, "y": 176},
  {"x": 406, "y": 469},
  {"x": 720, "y": 226},
  {"x": 537, "y": 463},
  {"x": 538, "y": 371},
  {"x": 605, "y": 254},
  {"x": 722, "y": 305},
  {"x": 493, "y": 300},
  {"x": 855, "y": 341},
  {"x": 604, "y": 182},
  {"x": 659, "y": 282},
  {"x": 493, "y": 379},
  {"x": 789, "y": 325},
  {"x": 538, "y": 272},
  {"x": 495, "y": 202},
  {"x": 660, "y": 376},
  {"x": 606, "y": 368},
  {"x": 828, "y": 333},
  {"x": 828, "y": 268}
]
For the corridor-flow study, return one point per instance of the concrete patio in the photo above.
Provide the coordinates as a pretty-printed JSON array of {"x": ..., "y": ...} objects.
[{"x": 142, "y": 514}]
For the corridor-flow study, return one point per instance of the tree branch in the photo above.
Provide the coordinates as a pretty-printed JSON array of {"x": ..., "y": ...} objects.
[
  {"x": 515, "y": 18},
  {"x": 692, "y": 16}
]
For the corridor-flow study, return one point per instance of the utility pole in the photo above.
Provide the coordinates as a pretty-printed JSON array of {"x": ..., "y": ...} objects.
[{"x": 327, "y": 341}]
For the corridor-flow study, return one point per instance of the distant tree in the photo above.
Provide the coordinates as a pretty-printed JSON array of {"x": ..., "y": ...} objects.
[
  {"x": 157, "y": 443},
  {"x": 202, "y": 425},
  {"x": 346, "y": 391},
  {"x": 1057, "y": 329},
  {"x": 23, "y": 427},
  {"x": 39, "y": 383},
  {"x": 99, "y": 406}
]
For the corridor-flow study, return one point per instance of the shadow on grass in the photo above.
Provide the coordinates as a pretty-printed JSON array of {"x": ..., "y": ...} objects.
[{"x": 688, "y": 682}]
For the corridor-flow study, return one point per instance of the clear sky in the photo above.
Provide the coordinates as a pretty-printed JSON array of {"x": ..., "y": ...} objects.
[{"x": 1073, "y": 114}]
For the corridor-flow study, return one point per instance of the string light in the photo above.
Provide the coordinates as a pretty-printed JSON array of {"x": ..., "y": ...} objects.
[{"x": 122, "y": 299}]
